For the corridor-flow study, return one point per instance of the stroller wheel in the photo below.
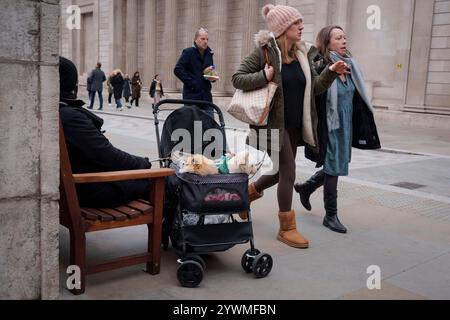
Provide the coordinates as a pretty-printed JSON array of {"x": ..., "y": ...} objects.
[
  {"x": 262, "y": 265},
  {"x": 199, "y": 260},
  {"x": 247, "y": 260},
  {"x": 190, "y": 274}
]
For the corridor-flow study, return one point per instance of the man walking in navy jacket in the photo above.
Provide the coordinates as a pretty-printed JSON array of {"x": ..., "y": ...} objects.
[{"x": 191, "y": 67}]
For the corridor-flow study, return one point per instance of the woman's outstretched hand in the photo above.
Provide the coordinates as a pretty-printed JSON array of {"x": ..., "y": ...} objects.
[{"x": 340, "y": 67}]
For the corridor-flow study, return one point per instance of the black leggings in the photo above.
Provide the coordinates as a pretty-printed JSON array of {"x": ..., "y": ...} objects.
[
  {"x": 286, "y": 174},
  {"x": 137, "y": 101}
]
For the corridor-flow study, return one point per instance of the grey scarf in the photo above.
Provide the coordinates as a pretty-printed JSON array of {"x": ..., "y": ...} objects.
[{"x": 333, "y": 120}]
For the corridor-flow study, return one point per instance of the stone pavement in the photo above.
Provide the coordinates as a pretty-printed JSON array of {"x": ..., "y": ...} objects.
[{"x": 396, "y": 204}]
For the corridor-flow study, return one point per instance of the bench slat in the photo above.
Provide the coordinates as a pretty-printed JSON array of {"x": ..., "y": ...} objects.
[
  {"x": 142, "y": 207},
  {"x": 89, "y": 215},
  {"x": 104, "y": 217},
  {"x": 131, "y": 213},
  {"x": 118, "y": 216},
  {"x": 144, "y": 202}
]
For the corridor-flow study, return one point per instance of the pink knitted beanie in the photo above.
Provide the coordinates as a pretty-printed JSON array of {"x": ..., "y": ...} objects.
[{"x": 280, "y": 18}]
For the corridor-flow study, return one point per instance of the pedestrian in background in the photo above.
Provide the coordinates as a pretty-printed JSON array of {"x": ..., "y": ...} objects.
[
  {"x": 110, "y": 87},
  {"x": 136, "y": 86},
  {"x": 96, "y": 79},
  {"x": 117, "y": 83},
  {"x": 191, "y": 67},
  {"x": 156, "y": 90},
  {"x": 127, "y": 90},
  {"x": 89, "y": 88}
]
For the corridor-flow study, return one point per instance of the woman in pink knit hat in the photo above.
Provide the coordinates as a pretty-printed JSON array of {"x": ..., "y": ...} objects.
[{"x": 293, "y": 113}]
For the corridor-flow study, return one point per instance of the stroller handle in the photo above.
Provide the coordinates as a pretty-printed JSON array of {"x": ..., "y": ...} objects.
[
  {"x": 156, "y": 110},
  {"x": 192, "y": 102}
]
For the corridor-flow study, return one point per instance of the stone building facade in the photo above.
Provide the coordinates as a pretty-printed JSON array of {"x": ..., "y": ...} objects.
[{"x": 403, "y": 46}]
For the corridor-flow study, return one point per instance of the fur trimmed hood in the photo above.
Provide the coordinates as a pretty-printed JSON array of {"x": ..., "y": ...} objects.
[{"x": 263, "y": 38}]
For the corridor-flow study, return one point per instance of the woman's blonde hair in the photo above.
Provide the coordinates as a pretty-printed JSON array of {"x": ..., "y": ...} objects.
[
  {"x": 287, "y": 54},
  {"x": 118, "y": 71}
]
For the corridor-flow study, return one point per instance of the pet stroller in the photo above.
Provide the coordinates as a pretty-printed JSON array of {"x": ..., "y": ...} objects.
[{"x": 199, "y": 210}]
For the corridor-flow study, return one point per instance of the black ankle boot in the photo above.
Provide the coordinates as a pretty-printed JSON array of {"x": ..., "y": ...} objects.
[
  {"x": 306, "y": 189},
  {"x": 331, "y": 220}
]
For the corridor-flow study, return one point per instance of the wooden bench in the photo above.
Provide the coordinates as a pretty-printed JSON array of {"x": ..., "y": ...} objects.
[{"x": 80, "y": 221}]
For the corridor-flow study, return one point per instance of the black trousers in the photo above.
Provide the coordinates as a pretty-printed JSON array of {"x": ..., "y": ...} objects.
[{"x": 111, "y": 195}]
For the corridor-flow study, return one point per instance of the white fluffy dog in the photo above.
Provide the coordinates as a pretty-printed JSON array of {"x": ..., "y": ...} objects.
[{"x": 241, "y": 164}]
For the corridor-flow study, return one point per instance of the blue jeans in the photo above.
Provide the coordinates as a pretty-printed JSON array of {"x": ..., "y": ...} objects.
[
  {"x": 92, "y": 98},
  {"x": 118, "y": 103}
]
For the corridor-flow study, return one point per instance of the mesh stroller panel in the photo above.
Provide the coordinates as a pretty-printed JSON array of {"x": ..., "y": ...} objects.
[
  {"x": 213, "y": 194},
  {"x": 185, "y": 118}
]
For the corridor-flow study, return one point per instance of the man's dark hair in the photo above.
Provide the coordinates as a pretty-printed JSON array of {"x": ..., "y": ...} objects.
[{"x": 99, "y": 65}]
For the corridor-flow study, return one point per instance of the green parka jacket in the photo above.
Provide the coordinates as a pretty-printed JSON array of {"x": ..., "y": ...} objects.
[{"x": 250, "y": 76}]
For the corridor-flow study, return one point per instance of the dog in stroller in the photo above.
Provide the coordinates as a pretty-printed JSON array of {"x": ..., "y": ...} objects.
[{"x": 199, "y": 210}]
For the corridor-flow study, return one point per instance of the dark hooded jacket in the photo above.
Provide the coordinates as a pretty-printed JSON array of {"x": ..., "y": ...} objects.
[{"x": 90, "y": 151}]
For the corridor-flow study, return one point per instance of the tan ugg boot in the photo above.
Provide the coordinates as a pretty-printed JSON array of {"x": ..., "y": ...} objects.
[
  {"x": 288, "y": 231},
  {"x": 253, "y": 195}
]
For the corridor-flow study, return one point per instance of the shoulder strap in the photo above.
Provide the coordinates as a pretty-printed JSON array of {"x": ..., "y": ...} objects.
[{"x": 266, "y": 55}]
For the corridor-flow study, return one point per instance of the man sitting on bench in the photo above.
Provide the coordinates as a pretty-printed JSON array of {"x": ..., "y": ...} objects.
[{"x": 90, "y": 151}]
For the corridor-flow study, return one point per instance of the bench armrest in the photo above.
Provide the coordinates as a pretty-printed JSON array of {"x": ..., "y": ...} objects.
[{"x": 122, "y": 175}]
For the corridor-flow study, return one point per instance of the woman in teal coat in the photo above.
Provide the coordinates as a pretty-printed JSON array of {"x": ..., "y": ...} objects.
[{"x": 345, "y": 120}]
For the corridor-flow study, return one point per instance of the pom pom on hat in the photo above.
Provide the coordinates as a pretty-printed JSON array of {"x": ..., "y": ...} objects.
[
  {"x": 266, "y": 9},
  {"x": 280, "y": 18}
]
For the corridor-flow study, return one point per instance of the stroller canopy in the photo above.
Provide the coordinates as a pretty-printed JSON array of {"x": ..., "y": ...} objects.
[{"x": 191, "y": 130}]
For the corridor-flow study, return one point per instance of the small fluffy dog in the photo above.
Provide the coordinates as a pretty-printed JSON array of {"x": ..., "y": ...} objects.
[
  {"x": 241, "y": 164},
  {"x": 200, "y": 165}
]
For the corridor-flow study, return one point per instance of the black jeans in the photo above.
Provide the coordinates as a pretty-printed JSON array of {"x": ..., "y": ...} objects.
[
  {"x": 137, "y": 101},
  {"x": 92, "y": 98}
]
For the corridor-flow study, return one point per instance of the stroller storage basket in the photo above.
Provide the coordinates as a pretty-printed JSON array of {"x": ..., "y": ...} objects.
[
  {"x": 214, "y": 194},
  {"x": 213, "y": 238}
]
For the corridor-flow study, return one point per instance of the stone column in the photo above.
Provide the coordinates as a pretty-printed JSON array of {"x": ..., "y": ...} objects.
[
  {"x": 131, "y": 40},
  {"x": 66, "y": 36},
  {"x": 149, "y": 41},
  {"x": 170, "y": 44},
  {"x": 219, "y": 36},
  {"x": 29, "y": 157},
  {"x": 338, "y": 13},
  {"x": 193, "y": 21},
  {"x": 420, "y": 53},
  {"x": 321, "y": 12},
  {"x": 250, "y": 15},
  {"x": 116, "y": 35}
]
